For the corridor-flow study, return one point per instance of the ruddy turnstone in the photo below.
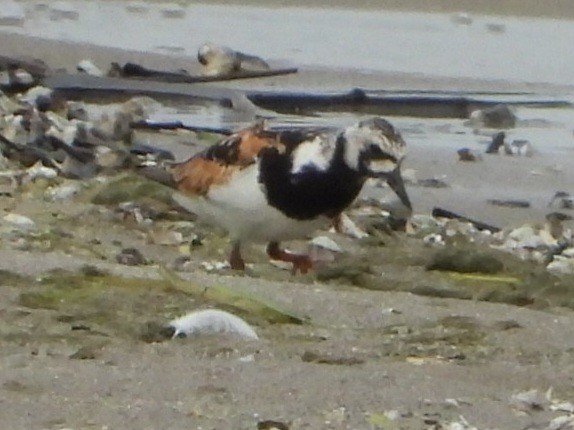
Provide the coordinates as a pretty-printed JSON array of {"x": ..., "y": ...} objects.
[
  {"x": 269, "y": 186},
  {"x": 222, "y": 61}
]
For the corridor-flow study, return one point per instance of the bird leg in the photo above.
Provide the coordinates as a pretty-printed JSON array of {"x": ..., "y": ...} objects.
[
  {"x": 235, "y": 259},
  {"x": 337, "y": 223},
  {"x": 301, "y": 263}
]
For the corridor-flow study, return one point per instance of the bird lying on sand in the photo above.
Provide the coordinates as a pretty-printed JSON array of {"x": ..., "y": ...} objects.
[
  {"x": 269, "y": 186},
  {"x": 224, "y": 61}
]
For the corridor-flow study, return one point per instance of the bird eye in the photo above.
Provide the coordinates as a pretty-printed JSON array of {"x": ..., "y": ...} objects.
[{"x": 375, "y": 149}]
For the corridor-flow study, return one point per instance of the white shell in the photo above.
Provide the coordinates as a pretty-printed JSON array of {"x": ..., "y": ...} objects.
[{"x": 212, "y": 321}]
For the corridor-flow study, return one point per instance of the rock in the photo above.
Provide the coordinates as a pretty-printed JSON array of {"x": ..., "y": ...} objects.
[
  {"x": 84, "y": 353},
  {"x": 461, "y": 18},
  {"x": 39, "y": 171},
  {"x": 272, "y": 425},
  {"x": 165, "y": 237},
  {"x": 564, "y": 422},
  {"x": 77, "y": 110},
  {"x": 33, "y": 94},
  {"x": 12, "y": 14},
  {"x": 325, "y": 243},
  {"x": 130, "y": 257},
  {"x": 466, "y": 154},
  {"x": 563, "y": 266},
  {"x": 172, "y": 10},
  {"x": 522, "y": 233},
  {"x": 528, "y": 401},
  {"x": 20, "y": 221},
  {"x": 63, "y": 192},
  {"x": 89, "y": 68},
  {"x": 499, "y": 116},
  {"x": 565, "y": 201},
  {"x": 61, "y": 10},
  {"x": 433, "y": 239},
  {"x": 211, "y": 266},
  {"x": 495, "y": 27},
  {"x": 153, "y": 332},
  {"x": 519, "y": 147},
  {"x": 137, "y": 7}
]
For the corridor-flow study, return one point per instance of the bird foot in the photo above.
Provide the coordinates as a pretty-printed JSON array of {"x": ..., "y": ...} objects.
[
  {"x": 301, "y": 263},
  {"x": 235, "y": 259}
]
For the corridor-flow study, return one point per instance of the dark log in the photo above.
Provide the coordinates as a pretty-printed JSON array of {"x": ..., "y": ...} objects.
[
  {"x": 175, "y": 125},
  {"x": 509, "y": 203},
  {"x": 425, "y": 105},
  {"x": 86, "y": 87},
  {"x": 357, "y": 100},
  {"x": 136, "y": 71},
  {"x": 443, "y": 213}
]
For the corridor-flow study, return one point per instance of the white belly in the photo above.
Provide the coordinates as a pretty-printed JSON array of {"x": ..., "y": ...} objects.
[{"x": 242, "y": 210}]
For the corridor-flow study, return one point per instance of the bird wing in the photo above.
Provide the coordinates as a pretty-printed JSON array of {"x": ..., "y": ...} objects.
[{"x": 218, "y": 163}]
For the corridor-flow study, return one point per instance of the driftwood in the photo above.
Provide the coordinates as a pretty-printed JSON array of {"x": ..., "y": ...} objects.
[
  {"x": 136, "y": 71},
  {"x": 426, "y": 105},
  {"x": 443, "y": 213},
  {"x": 86, "y": 87},
  {"x": 176, "y": 125}
]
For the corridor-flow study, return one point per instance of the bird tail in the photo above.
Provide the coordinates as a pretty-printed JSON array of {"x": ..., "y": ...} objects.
[{"x": 252, "y": 61}]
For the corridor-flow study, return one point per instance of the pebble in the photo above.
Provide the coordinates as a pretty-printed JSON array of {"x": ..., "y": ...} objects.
[
  {"x": 62, "y": 10},
  {"x": 63, "y": 192},
  {"x": 137, "y": 7},
  {"x": 19, "y": 220},
  {"x": 461, "y": 18},
  {"x": 172, "y": 10},
  {"x": 325, "y": 243},
  {"x": 86, "y": 66},
  {"x": 527, "y": 401},
  {"x": 130, "y": 257}
]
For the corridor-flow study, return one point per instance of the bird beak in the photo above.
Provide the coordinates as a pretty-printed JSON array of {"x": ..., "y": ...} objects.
[{"x": 395, "y": 181}]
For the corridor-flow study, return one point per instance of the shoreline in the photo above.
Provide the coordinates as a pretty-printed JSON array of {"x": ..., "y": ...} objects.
[
  {"x": 60, "y": 54},
  {"x": 432, "y": 153},
  {"x": 554, "y": 9}
]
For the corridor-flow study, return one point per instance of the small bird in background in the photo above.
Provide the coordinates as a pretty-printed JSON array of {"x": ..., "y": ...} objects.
[
  {"x": 497, "y": 143},
  {"x": 224, "y": 61},
  {"x": 270, "y": 186}
]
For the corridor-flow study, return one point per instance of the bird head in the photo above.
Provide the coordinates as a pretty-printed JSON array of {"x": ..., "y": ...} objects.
[
  {"x": 204, "y": 52},
  {"x": 376, "y": 149}
]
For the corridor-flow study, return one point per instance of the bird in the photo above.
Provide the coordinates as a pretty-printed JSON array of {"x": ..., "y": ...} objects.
[
  {"x": 496, "y": 143},
  {"x": 224, "y": 61},
  {"x": 265, "y": 185}
]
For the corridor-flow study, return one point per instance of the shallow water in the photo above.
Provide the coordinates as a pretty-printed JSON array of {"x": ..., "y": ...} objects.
[{"x": 529, "y": 50}]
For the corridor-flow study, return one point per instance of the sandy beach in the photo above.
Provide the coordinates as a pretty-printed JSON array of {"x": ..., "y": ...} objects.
[{"x": 388, "y": 345}]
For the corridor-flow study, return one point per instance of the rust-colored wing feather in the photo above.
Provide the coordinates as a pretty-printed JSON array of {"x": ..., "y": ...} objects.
[{"x": 215, "y": 165}]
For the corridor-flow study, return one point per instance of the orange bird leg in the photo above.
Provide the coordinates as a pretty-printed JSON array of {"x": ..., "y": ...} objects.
[
  {"x": 301, "y": 263},
  {"x": 337, "y": 223},
  {"x": 235, "y": 259}
]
